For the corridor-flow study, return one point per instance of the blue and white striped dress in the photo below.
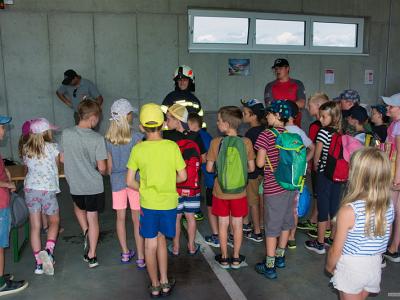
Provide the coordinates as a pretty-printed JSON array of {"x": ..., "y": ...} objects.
[{"x": 357, "y": 244}]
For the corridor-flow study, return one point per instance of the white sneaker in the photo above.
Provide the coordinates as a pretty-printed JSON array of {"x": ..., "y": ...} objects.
[{"x": 48, "y": 262}]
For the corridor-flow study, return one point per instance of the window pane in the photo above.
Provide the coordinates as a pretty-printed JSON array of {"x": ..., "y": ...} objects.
[
  {"x": 334, "y": 34},
  {"x": 219, "y": 30},
  {"x": 274, "y": 32}
]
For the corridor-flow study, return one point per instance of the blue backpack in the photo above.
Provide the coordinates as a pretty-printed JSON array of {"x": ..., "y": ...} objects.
[{"x": 304, "y": 202}]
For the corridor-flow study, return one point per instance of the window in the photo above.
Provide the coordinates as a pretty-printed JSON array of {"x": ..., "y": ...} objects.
[{"x": 235, "y": 31}]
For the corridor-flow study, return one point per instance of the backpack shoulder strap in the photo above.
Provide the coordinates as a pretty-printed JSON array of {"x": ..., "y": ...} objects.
[{"x": 275, "y": 132}]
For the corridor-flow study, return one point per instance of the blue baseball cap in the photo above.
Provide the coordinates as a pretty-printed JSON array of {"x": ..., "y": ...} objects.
[
  {"x": 351, "y": 95},
  {"x": 281, "y": 107},
  {"x": 5, "y": 120},
  {"x": 256, "y": 106}
]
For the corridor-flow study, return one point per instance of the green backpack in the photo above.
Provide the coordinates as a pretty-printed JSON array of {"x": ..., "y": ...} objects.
[
  {"x": 231, "y": 165},
  {"x": 292, "y": 163}
]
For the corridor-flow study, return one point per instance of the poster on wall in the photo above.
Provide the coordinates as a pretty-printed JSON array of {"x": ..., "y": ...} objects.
[
  {"x": 329, "y": 76},
  {"x": 369, "y": 77},
  {"x": 238, "y": 67}
]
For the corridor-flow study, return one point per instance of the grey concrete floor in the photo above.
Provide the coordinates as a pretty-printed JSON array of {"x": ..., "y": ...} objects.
[{"x": 303, "y": 278}]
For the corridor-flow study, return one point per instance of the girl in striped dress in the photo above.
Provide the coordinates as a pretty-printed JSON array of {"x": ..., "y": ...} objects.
[{"x": 363, "y": 226}]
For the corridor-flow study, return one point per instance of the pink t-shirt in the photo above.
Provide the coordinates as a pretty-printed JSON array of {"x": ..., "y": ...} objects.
[
  {"x": 4, "y": 192},
  {"x": 393, "y": 131}
]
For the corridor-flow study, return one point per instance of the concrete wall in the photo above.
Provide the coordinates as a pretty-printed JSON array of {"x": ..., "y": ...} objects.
[{"x": 131, "y": 48}]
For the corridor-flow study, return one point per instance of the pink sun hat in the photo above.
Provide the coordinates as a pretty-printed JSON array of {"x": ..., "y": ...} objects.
[
  {"x": 26, "y": 128},
  {"x": 41, "y": 125}
]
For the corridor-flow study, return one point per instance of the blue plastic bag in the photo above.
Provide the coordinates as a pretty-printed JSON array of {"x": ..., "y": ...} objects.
[{"x": 304, "y": 202}]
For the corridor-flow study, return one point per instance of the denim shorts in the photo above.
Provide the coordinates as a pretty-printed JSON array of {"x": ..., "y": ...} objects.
[
  {"x": 154, "y": 221},
  {"x": 5, "y": 226}
]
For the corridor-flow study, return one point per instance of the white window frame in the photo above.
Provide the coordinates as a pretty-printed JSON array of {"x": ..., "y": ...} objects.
[{"x": 252, "y": 47}]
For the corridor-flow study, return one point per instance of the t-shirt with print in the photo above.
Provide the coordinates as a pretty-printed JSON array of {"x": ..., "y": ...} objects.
[
  {"x": 4, "y": 192},
  {"x": 253, "y": 134},
  {"x": 296, "y": 129},
  {"x": 325, "y": 137},
  {"x": 120, "y": 155},
  {"x": 158, "y": 161},
  {"x": 82, "y": 148},
  {"x": 77, "y": 93},
  {"x": 212, "y": 156},
  {"x": 266, "y": 141},
  {"x": 43, "y": 172},
  {"x": 313, "y": 130}
]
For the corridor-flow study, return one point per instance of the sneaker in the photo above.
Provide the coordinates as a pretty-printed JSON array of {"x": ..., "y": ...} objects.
[
  {"x": 86, "y": 242},
  {"x": 256, "y": 237},
  {"x": 8, "y": 277},
  {"x": 280, "y": 262},
  {"x": 92, "y": 262},
  {"x": 223, "y": 262},
  {"x": 314, "y": 233},
  {"x": 212, "y": 240},
  {"x": 39, "y": 269},
  {"x": 291, "y": 244},
  {"x": 393, "y": 257},
  {"x": 86, "y": 258},
  {"x": 236, "y": 263},
  {"x": 383, "y": 263},
  {"x": 230, "y": 240},
  {"x": 48, "y": 262},
  {"x": 307, "y": 225},
  {"x": 12, "y": 287},
  {"x": 270, "y": 273},
  {"x": 313, "y": 245},
  {"x": 328, "y": 241},
  {"x": 247, "y": 227},
  {"x": 126, "y": 258},
  {"x": 199, "y": 216}
]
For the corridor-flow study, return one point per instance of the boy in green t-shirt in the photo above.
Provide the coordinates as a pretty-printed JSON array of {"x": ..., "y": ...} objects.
[{"x": 161, "y": 166}]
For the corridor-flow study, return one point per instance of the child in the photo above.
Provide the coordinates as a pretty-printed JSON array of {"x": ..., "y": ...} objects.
[
  {"x": 314, "y": 103},
  {"x": 7, "y": 285},
  {"x": 393, "y": 143},
  {"x": 41, "y": 157},
  {"x": 84, "y": 155},
  {"x": 195, "y": 125},
  {"x": 363, "y": 226},
  {"x": 379, "y": 121},
  {"x": 357, "y": 118},
  {"x": 253, "y": 114},
  {"x": 161, "y": 166},
  {"x": 189, "y": 199},
  {"x": 120, "y": 139},
  {"x": 226, "y": 205},
  {"x": 328, "y": 191},
  {"x": 278, "y": 202},
  {"x": 292, "y": 128}
]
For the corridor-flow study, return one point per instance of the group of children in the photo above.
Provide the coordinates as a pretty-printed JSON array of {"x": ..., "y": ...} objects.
[{"x": 158, "y": 172}]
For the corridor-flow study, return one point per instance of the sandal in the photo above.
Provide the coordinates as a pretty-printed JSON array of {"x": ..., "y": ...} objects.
[
  {"x": 171, "y": 252},
  {"x": 195, "y": 251},
  {"x": 140, "y": 264},
  {"x": 222, "y": 261},
  {"x": 169, "y": 285},
  {"x": 155, "y": 291},
  {"x": 237, "y": 262},
  {"x": 127, "y": 257}
]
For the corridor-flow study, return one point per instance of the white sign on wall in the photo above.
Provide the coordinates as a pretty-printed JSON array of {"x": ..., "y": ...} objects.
[
  {"x": 329, "y": 76},
  {"x": 369, "y": 77}
]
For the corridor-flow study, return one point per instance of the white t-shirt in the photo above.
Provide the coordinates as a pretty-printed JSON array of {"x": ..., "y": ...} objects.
[
  {"x": 296, "y": 129},
  {"x": 43, "y": 172}
]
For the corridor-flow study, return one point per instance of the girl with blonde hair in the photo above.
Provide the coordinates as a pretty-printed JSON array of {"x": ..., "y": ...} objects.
[
  {"x": 120, "y": 139},
  {"x": 363, "y": 226}
]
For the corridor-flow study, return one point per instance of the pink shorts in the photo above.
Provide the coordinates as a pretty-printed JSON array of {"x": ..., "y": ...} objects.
[{"x": 120, "y": 199}]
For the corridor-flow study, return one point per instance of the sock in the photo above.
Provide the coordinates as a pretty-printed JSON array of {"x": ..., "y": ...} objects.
[
  {"x": 270, "y": 261},
  {"x": 2, "y": 281},
  {"x": 280, "y": 252},
  {"x": 38, "y": 260},
  {"x": 50, "y": 244}
]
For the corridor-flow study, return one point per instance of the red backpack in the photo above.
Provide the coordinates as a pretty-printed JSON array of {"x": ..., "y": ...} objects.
[
  {"x": 337, "y": 168},
  {"x": 191, "y": 154}
]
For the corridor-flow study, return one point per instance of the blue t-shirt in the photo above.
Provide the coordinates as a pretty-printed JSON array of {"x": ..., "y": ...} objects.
[
  {"x": 120, "y": 156},
  {"x": 208, "y": 177}
]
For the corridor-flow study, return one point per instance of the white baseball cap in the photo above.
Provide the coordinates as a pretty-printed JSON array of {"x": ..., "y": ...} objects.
[
  {"x": 393, "y": 100},
  {"x": 121, "y": 108},
  {"x": 41, "y": 125}
]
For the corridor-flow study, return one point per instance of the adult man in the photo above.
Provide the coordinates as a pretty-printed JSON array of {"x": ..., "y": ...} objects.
[
  {"x": 285, "y": 88},
  {"x": 74, "y": 89}
]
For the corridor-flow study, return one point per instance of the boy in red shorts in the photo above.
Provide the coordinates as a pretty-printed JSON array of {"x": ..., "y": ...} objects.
[{"x": 225, "y": 205}]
